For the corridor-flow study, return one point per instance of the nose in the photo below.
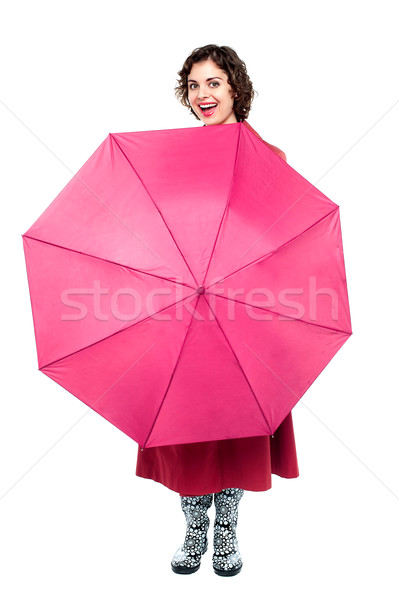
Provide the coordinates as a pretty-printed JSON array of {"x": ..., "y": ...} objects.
[{"x": 202, "y": 92}]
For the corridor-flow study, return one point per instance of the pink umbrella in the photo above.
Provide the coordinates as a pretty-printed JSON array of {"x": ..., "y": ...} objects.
[{"x": 188, "y": 285}]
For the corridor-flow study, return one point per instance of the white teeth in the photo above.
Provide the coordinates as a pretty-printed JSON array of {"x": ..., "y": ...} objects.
[{"x": 207, "y": 105}]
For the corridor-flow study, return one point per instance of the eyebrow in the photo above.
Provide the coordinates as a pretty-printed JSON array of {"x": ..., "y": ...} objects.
[{"x": 209, "y": 79}]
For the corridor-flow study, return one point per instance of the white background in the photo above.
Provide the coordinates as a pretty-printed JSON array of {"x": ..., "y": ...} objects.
[{"x": 75, "y": 521}]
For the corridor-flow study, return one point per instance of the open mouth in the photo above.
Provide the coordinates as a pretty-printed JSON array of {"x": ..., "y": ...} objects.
[{"x": 208, "y": 109}]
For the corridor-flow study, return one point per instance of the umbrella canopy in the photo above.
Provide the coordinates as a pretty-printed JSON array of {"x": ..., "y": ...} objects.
[{"x": 188, "y": 285}]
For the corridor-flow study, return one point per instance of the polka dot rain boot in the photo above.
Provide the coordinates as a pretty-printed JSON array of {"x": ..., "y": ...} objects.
[
  {"x": 187, "y": 558},
  {"x": 226, "y": 558}
]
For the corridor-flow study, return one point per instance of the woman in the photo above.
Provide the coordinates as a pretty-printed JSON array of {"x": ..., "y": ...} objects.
[{"x": 214, "y": 84}]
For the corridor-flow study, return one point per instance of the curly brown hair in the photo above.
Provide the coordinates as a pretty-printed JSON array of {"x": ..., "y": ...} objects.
[{"x": 228, "y": 60}]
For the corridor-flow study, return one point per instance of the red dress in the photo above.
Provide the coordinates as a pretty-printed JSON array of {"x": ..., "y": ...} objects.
[{"x": 209, "y": 467}]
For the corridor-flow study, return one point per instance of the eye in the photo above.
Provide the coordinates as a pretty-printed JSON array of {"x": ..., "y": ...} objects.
[
  {"x": 214, "y": 82},
  {"x": 192, "y": 86}
]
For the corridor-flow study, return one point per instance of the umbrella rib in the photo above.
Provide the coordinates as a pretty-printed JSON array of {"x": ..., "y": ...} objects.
[
  {"x": 239, "y": 364},
  {"x": 115, "y": 333},
  {"x": 269, "y": 254},
  {"x": 172, "y": 375},
  {"x": 112, "y": 262},
  {"x": 105, "y": 205},
  {"x": 284, "y": 383},
  {"x": 156, "y": 206},
  {"x": 311, "y": 187},
  {"x": 227, "y": 203},
  {"x": 287, "y": 317}
]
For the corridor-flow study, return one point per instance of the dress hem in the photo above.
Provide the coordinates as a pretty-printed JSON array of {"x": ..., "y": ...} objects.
[{"x": 264, "y": 488}]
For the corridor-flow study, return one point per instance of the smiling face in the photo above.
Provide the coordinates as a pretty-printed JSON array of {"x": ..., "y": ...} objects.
[{"x": 210, "y": 95}]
